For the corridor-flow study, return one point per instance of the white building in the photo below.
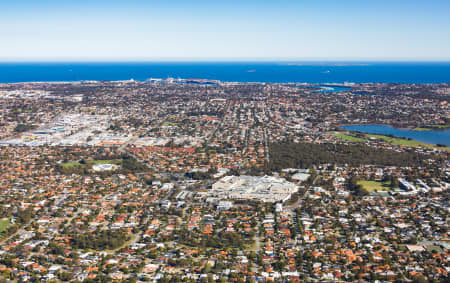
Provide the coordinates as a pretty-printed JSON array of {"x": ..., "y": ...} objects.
[
  {"x": 224, "y": 205},
  {"x": 104, "y": 167},
  {"x": 279, "y": 207},
  {"x": 265, "y": 189}
]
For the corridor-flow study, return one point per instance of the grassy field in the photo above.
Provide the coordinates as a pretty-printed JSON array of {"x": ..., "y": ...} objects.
[
  {"x": 406, "y": 142},
  {"x": 4, "y": 223},
  {"x": 90, "y": 163},
  {"x": 392, "y": 140},
  {"x": 166, "y": 124},
  {"x": 439, "y": 126},
  {"x": 111, "y": 161},
  {"x": 399, "y": 141},
  {"x": 372, "y": 186},
  {"x": 349, "y": 138},
  {"x": 432, "y": 127}
]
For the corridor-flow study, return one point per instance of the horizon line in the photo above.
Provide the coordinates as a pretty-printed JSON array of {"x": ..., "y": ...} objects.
[
  {"x": 220, "y": 60},
  {"x": 293, "y": 63}
]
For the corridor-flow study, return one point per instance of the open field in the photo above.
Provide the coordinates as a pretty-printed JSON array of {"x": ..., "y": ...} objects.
[
  {"x": 432, "y": 127},
  {"x": 406, "y": 142},
  {"x": 4, "y": 223},
  {"x": 70, "y": 164},
  {"x": 349, "y": 138},
  {"x": 111, "y": 161},
  {"x": 397, "y": 141},
  {"x": 169, "y": 124},
  {"x": 372, "y": 186}
]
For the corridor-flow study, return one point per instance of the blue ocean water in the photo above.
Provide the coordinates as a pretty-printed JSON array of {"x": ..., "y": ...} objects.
[
  {"x": 330, "y": 72},
  {"x": 432, "y": 137}
]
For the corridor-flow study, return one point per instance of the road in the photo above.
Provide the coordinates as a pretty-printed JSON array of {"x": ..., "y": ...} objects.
[
  {"x": 208, "y": 139},
  {"x": 257, "y": 239},
  {"x": 21, "y": 230},
  {"x": 293, "y": 206},
  {"x": 266, "y": 146}
]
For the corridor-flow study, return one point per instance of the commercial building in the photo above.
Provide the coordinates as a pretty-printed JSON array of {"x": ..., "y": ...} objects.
[{"x": 265, "y": 189}]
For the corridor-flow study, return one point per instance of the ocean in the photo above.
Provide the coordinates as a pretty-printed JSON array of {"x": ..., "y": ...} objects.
[{"x": 282, "y": 72}]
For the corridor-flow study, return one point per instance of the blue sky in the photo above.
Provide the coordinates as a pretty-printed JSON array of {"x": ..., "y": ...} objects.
[{"x": 224, "y": 30}]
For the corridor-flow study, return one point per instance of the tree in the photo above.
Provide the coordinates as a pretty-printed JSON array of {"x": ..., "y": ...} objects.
[
  {"x": 394, "y": 183},
  {"x": 419, "y": 279},
  {"x": 20, "y": 128},
  {"x": 65, "y": 276},
  {"x": 352, "y": 185}
]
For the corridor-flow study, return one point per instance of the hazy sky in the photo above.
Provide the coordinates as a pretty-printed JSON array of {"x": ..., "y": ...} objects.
[{"x": 228, "y": 29}]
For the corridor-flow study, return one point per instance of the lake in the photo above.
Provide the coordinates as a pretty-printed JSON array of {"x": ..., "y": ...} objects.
[{"x": 431, "y": 137}]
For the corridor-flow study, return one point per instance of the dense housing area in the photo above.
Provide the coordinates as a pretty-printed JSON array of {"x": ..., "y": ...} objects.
[{"x": 175, "y": 180}]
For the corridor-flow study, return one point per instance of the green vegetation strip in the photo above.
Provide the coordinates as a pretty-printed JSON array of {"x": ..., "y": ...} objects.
[
  {"x": 392, "y": 140},
  {"x": 349, "y": 138},
  {"x": 405, "y": 142},
  {"x": 432, "y": 127},
  {"x": 372, "y": 186},
  {"x": 166, "y": 124},
  {"x": 305, "y": 155},
  {"x": 91, "y": 163}
]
